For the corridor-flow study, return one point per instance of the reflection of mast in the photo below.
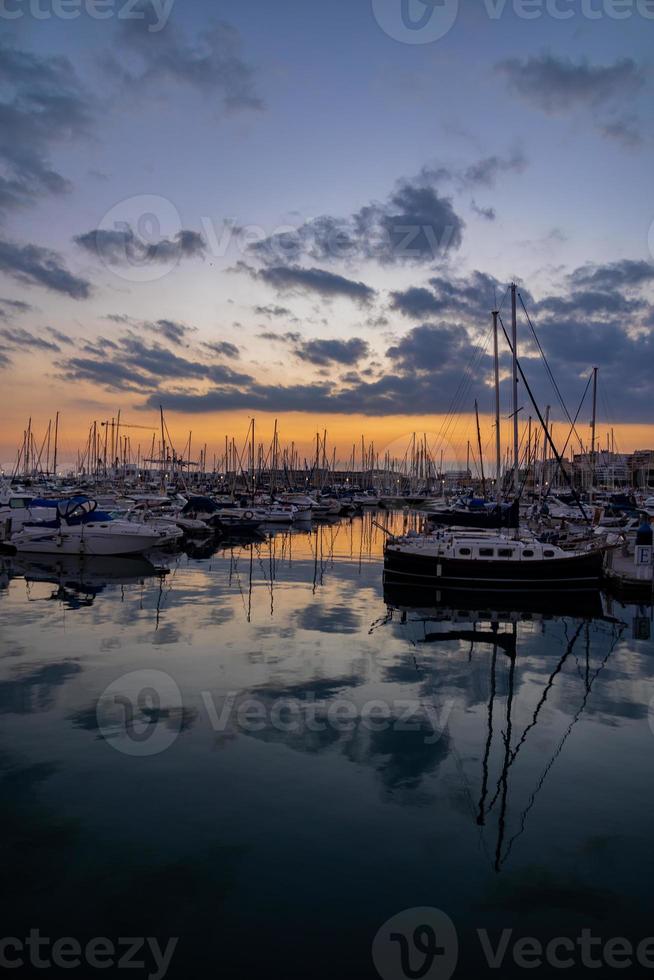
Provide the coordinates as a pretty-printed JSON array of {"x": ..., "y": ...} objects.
[
  {"x": 559, "y": 749},
  {"x": 510, "y": 755},
  {"x": 504, "y": 779},
  {"x": 484, "y": 782}
]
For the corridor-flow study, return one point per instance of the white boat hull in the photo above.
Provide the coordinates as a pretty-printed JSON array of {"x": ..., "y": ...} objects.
[{"x": 85, "y": 540}]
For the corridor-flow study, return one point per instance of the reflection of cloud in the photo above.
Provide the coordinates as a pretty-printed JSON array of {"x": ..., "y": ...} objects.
[
  {"x": 177, "y": 719},
  {"x": 332, "y": 619},
  {"x": 31, "y": 688}
]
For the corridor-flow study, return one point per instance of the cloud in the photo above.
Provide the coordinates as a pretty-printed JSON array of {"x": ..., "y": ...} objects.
[
  {"x": 60, "y": 337},
  {"x": 212, "y": 65},
  {"x": 415, "y": 224},
  {"x": 488, "y": 213},
  {"x": 34, "y": 265},
  {"x": 622, "y": 131},
  {"x": 293, "y": 278},
  {"x": 223, "y": 348},
  {"x": 11, "y": 307},
  {"x": 556, "y": 84},
  {"x": 176, "y": 333},
  {"x": 625, "y": 274},
  {"x": 125, "y": 248},
  {"x": 271, "y": 310},
  {"x": 42, "y": 106},
  {"x": 325, "y": 352},
  {"x": 290, "y": 337},
  {"x": 485, "y": 172},
  {"x": 559, "y": 85},
  {"x": 473, "y": 296},
  {"x": 19, "y": 339},
  {"x": 131, "y": 364}
]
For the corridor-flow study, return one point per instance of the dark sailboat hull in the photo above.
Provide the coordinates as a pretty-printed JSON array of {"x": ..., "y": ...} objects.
[{"x": 552, "y": 573}]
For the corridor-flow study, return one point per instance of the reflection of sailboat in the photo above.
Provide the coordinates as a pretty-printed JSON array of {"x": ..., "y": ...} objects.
[
  {"x": 463, "y": 604},
  {"x": 88, "y": 575},
  {"x": 494, "y": 792}
]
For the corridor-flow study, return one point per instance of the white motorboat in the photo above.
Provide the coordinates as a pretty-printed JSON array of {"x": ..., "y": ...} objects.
[{"x": 74, "y": 531}]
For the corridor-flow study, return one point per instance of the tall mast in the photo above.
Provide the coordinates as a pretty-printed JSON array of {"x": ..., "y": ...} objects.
[
  {"x": 514, "y": 385},
  {"x": 481, "y": 458},
  {"x": 56, "y": 439},
  {"x": 592, "y": 432},
  {"x": 163, "y": 445},
  {"x": 544, "y": 466},
  {"x": 498, "y": 451}
]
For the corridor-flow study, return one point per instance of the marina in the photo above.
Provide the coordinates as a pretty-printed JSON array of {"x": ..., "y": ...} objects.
[
  {"x": 326, "y": 489},
  {"x": 307, "y": 741}
]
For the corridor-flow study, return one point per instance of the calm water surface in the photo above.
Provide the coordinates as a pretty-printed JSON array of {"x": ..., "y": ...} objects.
[{"x": 300, "y": 758}]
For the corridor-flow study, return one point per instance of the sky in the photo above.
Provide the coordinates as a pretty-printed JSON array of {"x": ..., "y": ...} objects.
[{"x": 307, "y": 212}]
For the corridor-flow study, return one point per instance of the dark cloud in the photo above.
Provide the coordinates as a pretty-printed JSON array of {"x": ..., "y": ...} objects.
[
  {"x": 19, "y": 339},
  {"x": 559, "y": 85},
  {"x": 556, "y": 84},
  {"x": 421, "y": 377},
  {"x": 271, "y": 310},
  {"x": 213, "y": 64},
  {"x": 625, "y": 274},
  {"x": 293, "y": 278},
  {"x": 473, "y": 296},
  {"x": 290, "y": 337},
  {"x": 11, "y": 307},
  {"x": 488, "y": 213},
  {"x": 324, "y": 352},
  {"x": 42, "y": 105},
  {"x": 223, "y": 348},
  {"x": 131, "y": 364},
  {"x": 430, "y": 346},
  {"x": 126, "y": 248},
  {"x": 176, "y": 333},
  {"x": 485, "y": 172},
  {"x": 415, "y": 224},
  {"x": 600, "y": 316},
  {"x": 321, "y": 352},
  {"x": 59, "y": 336},
  {"x": 37, "y": 266}
]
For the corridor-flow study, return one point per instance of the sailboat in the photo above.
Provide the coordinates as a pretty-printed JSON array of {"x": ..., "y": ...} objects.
[{"x": 492, "y": 560}]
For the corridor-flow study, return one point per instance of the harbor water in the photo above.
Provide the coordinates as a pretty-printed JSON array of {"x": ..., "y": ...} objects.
[{"x": 257, "y": 754}]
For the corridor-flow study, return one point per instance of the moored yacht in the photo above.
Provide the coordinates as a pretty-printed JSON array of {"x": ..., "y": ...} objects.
[{"x": 490, "y": 561}]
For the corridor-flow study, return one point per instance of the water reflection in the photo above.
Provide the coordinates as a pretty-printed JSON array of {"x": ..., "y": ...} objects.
[{"x": 512, "y": 763}]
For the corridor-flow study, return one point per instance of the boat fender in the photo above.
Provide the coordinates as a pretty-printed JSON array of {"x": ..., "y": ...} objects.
[{"x": 248, "y": 515}]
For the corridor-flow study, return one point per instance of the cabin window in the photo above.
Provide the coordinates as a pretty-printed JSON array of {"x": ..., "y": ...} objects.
[
  {"x": 486, "y": 552},
  {"x": 527, "y": 553},
  {"x": 548, "y": 554},
  {"x": 464, "y": 551},
  {"x": 504, "y": 552}
]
